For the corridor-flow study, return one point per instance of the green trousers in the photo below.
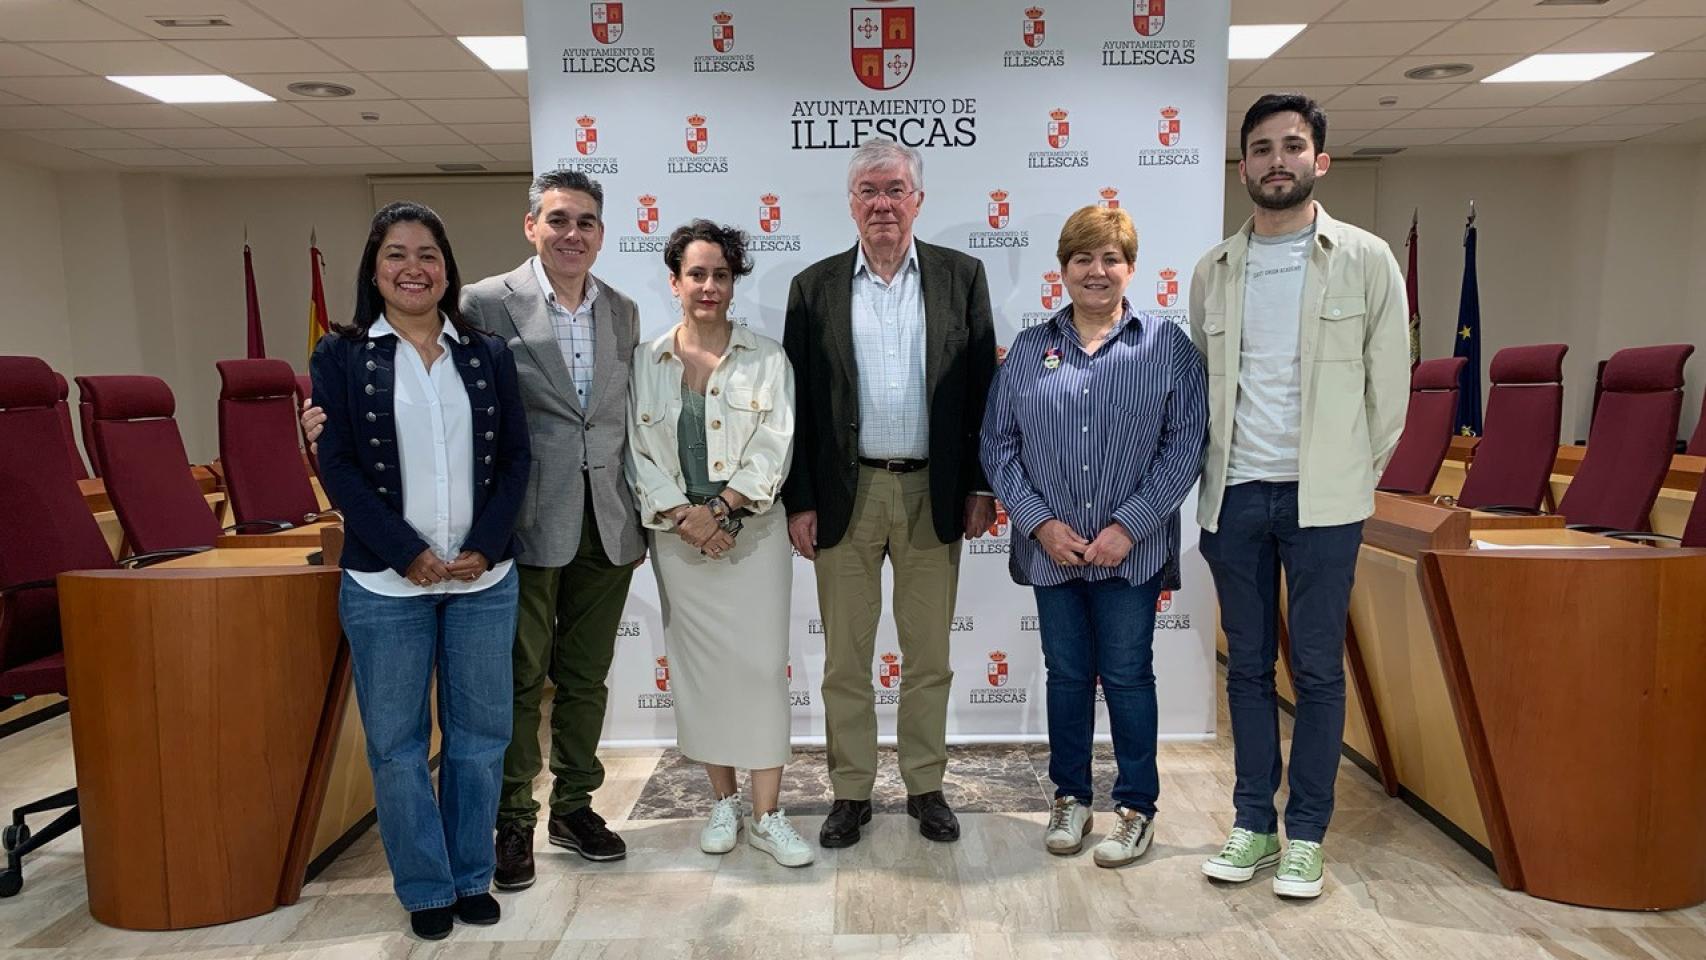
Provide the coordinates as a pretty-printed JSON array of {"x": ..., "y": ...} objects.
[{"x": 566, "y": 631}]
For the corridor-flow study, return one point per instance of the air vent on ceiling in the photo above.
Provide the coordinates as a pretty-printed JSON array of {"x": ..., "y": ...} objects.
[
  {"x": 190, "y": 23},
  {"x": 461, "y": 167},
  {"x": 1571, "y": 3},
  {"x": 1377, "y": 151}
]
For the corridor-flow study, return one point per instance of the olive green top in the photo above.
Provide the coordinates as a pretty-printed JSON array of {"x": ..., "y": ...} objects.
[{"x": 690, "y": 445}]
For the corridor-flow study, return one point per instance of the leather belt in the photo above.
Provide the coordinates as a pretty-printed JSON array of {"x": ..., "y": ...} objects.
[{"x": 895, "y": 466}]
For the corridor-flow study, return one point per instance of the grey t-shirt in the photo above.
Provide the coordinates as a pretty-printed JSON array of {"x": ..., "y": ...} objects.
[{"x": 1269, "y": 414}]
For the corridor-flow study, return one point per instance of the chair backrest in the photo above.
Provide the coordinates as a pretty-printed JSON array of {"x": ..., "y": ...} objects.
[
  {"x": 1697, "y": 442},
  {"x": 1427, "y": 427},
  {"x": 1632, "y": 440},
  {"x": 258, "y": 447},
  {"x": 1519, "y": 441},
  {"x": 158, "y": 502},
  {"x": 1694, "y": 532},
  {"x": 45, "y": 526},
  {"x": 86, "y": 417},
  {"x": 62, "y": 391}
]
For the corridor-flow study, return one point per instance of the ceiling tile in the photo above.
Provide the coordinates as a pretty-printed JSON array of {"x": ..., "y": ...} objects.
[
  {"x": 91, "y": 139},
  {"x": 476, "y": 18},
  {"x": 66, "y": 90},
  {"x": 20, "y": 61},
  {"x": 58, "y": 20},
  {"x": 510, "y": 152},
  {"x": 1631, "y": 34},
  {"x": 1694, "y": 94},
  {"x": 406, "y": 54},
  {"x": 484, "y": 133},
  {"x": 252, "y": 114},
  {"x": 1503, "y": 94},
  {"x": 1616, "y": 92},
  {"x": 1665, "y": 8},
  {"x": 17, "y": 147},
  {"x": 195, "y": 137},
  {"x": 1554, "y": 116},
  {"x": 1361, "y": 120},
  {"x": 348, "y": 113},
  {"x": 340, "y": 18},
  {"x": 244, "y": 157},
  {"x": 1670, "y": 65},
  {"x": 122, "y": 57},
  {"x": 403, "y": 136},
  {"x": 1482, "y": 65},
  {"x": 447, "y": 85},
  {"x": 1655, "y": 113},
  {"x": 1502, "y": 134},
  {"x": 342, "y": 155},
  {"x": 1500, "y": 36},
  {"x": 7, "y": 99},
  {"x": 41, "y": 118},
  {"x": 1606, "y": 132},
  {"x": 1240, "y": 99},
  {"x": 1434, "y": 118},
  {"x": 443, "y": 153},
  {"x": 278, "y": 85},
  {"x": 1390, "y": 137},
  {"x": 261, "y": 56},
  {"x": 1296, "y": 11},
  {"x": 1387, "y": 10},
  {"x": 1358, "y": 39},
  {"x": 1692, "y": 132},
  {"x": 146, "y": 116},
  {"x": 1521, "y": 9},
  {"x": 1367, "y": 96},
  {"x": 475, "y": 111},
  {"x": 245, "y": 22},
  {"x": 151, "y": 157},
  {"x": 1324, "y": 70},
  {"x": 291, "y": 137},
  {"x": 517, "y": 80}
]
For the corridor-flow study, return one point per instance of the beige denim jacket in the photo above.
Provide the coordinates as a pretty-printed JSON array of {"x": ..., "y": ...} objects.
[
  {"x": 749, "y": 423},
  {"x": 1356, "y": 368}
]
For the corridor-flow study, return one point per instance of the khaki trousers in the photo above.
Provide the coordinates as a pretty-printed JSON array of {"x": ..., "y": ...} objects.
[{"x": 891, "y": 516}]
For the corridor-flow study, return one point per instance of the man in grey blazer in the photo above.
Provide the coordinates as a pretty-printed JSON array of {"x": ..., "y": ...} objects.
[{"x": 580, "y": 535}]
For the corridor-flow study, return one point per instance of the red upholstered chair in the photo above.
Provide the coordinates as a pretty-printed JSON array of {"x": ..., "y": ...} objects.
[
  {"x": 159, "y": 504},
  {"x": 86, "y": 416},
  {"x": 1519, "y": 442},
  {"x": 1697, "y": 442},
  {"x": 1427, "y": 427},
  {"x": 1632, "y": 440},
  {"x": 258, "y": 443},
  {"x": 45, "y": 530},
  {"x": 63, "y": 391}
]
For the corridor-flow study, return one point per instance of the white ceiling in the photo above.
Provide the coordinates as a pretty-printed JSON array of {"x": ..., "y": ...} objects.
[{"x": 56, "y": 109}]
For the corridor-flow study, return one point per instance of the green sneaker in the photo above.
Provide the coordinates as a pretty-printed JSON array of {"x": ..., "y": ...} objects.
[
  {"x": 1246, "y": 851},
  {"x": 1300, "y": 872}
]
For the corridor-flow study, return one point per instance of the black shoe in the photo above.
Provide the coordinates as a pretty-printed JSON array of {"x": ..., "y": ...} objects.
[
  {"x": 433, "y": 923},
  {"x": 841, "y": 827},
  {"x": 515, "y": 856},
  {"x": 936, "y": 820},
  {"x": 584, "y": 832},
  {"x": 480, "y": 909}
]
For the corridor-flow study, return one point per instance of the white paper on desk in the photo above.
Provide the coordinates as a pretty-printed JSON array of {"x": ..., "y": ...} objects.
[{"x": 1490, "y": 545}]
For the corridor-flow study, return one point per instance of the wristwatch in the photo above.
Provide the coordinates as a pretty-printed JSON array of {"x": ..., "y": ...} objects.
[{"x": 719, "y": 508}]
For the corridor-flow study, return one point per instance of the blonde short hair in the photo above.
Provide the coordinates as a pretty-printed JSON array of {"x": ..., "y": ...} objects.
[{"x": 1092, "y": 228}]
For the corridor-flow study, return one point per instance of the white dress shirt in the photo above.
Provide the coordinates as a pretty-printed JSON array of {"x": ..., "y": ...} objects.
[
  {"x": 888, "y": 346},
  {"x": 576, "y": 335},
  {"x": 435, "y": 459}
]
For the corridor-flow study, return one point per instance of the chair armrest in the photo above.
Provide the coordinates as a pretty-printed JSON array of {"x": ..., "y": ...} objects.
[
  {"x": 1590, "y": 528},
  {"x": 156, "y": 556},
  {"x": 1637, "y": 536},
  {"x": 47, "y": 584},
  {"x": 324, "y": 515},
  {"x": 262, "y": 526},
  {"x": 1509, "y": 510}
]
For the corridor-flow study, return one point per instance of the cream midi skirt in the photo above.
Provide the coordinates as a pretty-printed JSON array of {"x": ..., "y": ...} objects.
[{"x": 725, "y": 630}]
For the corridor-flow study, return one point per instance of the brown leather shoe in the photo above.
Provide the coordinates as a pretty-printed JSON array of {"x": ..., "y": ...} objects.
[{"x": 515, "y": 856}]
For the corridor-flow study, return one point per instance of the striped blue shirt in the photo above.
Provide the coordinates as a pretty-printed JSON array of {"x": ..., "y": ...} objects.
[{"x": 1116, "y": 437}]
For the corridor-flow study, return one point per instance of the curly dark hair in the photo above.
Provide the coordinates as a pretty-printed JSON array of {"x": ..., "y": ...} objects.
[{"x": 732, "y": 240}]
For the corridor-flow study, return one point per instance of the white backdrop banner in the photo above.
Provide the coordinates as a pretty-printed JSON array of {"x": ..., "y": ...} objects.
[{"x": 746, "y": 112}]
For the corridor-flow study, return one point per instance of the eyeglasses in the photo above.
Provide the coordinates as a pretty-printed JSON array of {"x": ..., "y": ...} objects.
[{"x": 868, "y": 195}]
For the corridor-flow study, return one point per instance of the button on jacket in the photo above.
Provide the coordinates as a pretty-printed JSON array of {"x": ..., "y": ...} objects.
[
  {"x": 1354, "y": 349},
  {"x": 749, "y": 423}
]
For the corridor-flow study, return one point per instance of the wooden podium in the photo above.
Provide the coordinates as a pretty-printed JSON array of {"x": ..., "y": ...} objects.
[{"x": 205, "y": 707}]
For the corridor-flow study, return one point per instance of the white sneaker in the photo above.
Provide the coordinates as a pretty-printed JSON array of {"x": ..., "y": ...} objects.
[
  {"x": 720, "y": 832},
  {"x": 1129, "y": 840},
  {"x": 777, "y": 837},
  {"x": 1068, "y": 825}
]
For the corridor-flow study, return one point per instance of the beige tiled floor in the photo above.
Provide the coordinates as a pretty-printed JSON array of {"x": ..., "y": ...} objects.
[{"x": 1398, "y": 889}]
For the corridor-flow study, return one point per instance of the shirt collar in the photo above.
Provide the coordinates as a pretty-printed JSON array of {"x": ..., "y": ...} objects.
[
  {"x": 1128, "y": 317},
  {"x": 860, "y": 265},
  {"x": 662, "y": 348},
  {"x": 382, "y": 328},
  {"x": 1329, "y": 233},
  {"x": 587, "y": 297}
]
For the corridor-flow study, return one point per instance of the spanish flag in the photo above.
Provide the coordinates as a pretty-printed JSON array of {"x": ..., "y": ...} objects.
[{"x": 318, "y": 323}]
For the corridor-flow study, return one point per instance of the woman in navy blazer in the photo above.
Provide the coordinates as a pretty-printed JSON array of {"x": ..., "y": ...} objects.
[{"x": 425, "y": 451}]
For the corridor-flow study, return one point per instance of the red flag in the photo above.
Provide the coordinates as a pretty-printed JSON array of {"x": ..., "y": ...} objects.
[
  {"x": 1412, "y": 291},
  {"x": 319, "y": 323},
  {"x": 257, "y": 343}
]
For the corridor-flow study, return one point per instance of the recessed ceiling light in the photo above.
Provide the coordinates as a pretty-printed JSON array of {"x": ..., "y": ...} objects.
[
  {"x": 1437, "y": 71},
  {"x": 1564, "y": 67},
  {"x": 204, "y": 88},
  {"x": 1259, "y": 41},
  {"x": 320, "y": 88},
  {"x": 499, "y": 53}
]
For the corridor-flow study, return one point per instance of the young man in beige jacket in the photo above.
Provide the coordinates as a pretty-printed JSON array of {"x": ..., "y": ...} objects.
[{"x": 1302, "y": 321}]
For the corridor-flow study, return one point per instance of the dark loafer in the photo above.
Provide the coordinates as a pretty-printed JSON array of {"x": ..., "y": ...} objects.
[
  {"x": 433, "y": 923},
  {"x": 481, "y": 909},
  {"x": 936, "y": 820},
  {"x": 841, "y": 827}
]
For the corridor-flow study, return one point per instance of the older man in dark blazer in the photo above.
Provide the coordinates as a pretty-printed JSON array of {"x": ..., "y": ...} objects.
[{"x": 893, "y": 347}]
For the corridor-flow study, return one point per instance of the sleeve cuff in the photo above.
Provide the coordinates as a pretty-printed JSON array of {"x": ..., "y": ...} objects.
[
  {"x": 1139, "y": 519},
  {"x": 1029, "y": 514}
]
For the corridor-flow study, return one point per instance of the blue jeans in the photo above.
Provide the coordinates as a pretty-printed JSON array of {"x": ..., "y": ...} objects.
[
  {"x": 1259, "y": 536},
  {"x": 1101, "y": 629},
  {"x": 438, "y": 848}
]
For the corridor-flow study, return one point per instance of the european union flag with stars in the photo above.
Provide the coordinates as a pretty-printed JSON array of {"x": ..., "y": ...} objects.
[{"x": 1468, "y": 340}]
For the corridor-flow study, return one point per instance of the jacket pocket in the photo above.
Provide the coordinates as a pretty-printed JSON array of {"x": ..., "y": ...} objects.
[
  {"x": 1214, "y": 342},
  {"x": 1343, "y": 319}
]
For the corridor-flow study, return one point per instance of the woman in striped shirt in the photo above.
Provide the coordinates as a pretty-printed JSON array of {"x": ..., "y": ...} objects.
[{"x": 1093, "y": 437}]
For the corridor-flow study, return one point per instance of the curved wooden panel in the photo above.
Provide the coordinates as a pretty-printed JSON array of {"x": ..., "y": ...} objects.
[
  {"x": 1577, "y": 677},
  {"x": 198, "y": 701}
]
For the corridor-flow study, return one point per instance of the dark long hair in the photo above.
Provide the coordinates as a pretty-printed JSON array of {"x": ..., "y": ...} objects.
[{"x": 368, "y": 303}]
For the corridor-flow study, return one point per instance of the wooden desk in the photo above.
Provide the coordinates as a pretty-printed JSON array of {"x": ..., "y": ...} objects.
[
  {"x": 228, "y": 558},
  {"x": 306, "y": 535},
  {"x": 1576, "y": 678}
]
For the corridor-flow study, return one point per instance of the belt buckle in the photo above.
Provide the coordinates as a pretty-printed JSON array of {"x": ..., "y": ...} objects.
[{"x": 894, "y": 465}]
